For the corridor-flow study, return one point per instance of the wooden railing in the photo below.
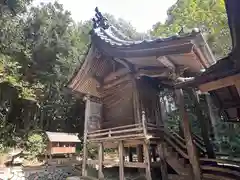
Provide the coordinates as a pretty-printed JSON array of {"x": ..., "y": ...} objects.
[
  {"x": 121, "y": 132},
  {"x": 125, "y": 132},
  {"x": 224, "y": 168}
]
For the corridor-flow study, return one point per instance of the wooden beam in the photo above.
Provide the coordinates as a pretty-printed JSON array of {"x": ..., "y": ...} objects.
[
  {"x": 166, "y": 62},
  {"x": 163, "y": 167},
  {"x": 100, "y": 161},
  {"x": 161, "y": 72},
  {"x": 147, "y": 161},
  {"x": 126, "y": 64},
  {"x": 221, "y": 83},
  {"x": 115, "y": 75},
  {"x": 200, "y": 57},
  {"x": 237, "y": 85},
  {"x": 191, "y": 149},
  {"x": 112, "y": 83},
  {"x": 121, "y": 161}
]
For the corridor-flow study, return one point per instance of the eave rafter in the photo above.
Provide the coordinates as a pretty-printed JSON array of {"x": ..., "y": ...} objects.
[
  {"x": 126, "y": 64},
  {"x": 166, "y": 62}
]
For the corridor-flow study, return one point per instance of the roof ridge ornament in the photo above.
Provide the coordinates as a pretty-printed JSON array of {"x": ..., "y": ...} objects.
[{"x": 99, "y": 20}]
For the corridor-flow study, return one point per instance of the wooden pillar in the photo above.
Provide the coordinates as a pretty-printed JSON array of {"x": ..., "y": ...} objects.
[
  {"x": 147, "y": 161},
  {"x": 121, "y": 161},
  {"x": 140, "y": 153},
  {"x": 136, "y": 102},
  {"x": 161, "y": 152},
  {"x": 144, "y": 123},
  {"x": 100, "y": 161},
  {"x": 130, "y": 154},
  {"x": 153, "y": 152},
  {"x": 204, "y": 123},
  {"x": 191, "y": 149},
  {"x": 84, "y": 160},
  {"x": 212, "y": 115}
]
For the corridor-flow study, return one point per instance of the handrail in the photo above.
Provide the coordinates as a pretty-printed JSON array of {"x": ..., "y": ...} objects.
[
  {"x": 225, "y": 168},
  {"x": 179, "y": 142},
  {"x": 227, "y": 172},
  {"x": 198, "y": 139},
  {"x": 199, "y": 147},
  {"x": 111, "y": 132},
  {"x": 221, "y": 161},
  {"x": 129, "y": 131},
  {"x": 181, "y": 152},
  {"x": 115, "y": 128}
]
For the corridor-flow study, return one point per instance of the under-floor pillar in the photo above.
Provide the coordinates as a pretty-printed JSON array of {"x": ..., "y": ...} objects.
[
  {"x": 121, "y": 161},
  {"x": 163, "y": 167},
  {"x": 100, "y": 161},
  {"x": 147, "y": 161}
]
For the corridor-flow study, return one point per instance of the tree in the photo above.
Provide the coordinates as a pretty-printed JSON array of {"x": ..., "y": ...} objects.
[
  {"x": 207, "y": 15},
  {"x": 39, "y": 51}
]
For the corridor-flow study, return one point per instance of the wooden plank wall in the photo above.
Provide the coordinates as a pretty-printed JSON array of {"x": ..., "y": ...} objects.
[
  {"x": 118, "y": 104},
  {"x": 150, "y": 102}
]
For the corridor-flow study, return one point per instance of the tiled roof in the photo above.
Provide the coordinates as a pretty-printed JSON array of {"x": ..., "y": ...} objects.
[
  {"x": 62, "y": 137},
  {"x": 112, "y": 36}
]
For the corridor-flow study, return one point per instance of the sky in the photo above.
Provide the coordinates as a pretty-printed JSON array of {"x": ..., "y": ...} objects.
[{"x": 142, "y": 14}]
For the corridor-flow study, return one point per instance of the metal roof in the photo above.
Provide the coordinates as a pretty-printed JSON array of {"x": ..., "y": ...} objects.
[{"x": 62, "y": 137}]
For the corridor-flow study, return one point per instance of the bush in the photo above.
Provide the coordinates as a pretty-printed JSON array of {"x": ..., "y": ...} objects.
[{"x": 35, "y": 144}]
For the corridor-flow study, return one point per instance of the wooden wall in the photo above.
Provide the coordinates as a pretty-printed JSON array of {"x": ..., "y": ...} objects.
[
  {"x": 117, "y": 99},
  {"x": 149, "y": 100}
]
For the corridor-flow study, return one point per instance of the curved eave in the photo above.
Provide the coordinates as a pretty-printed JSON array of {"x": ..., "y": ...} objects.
[{"x": 143, "y": 49}]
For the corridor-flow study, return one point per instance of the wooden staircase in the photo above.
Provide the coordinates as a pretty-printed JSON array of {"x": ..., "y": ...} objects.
[{"x": 212, "y": 169}]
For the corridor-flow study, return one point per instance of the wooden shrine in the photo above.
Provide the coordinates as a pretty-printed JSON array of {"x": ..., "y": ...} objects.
[
  {"x": 61, "y": 143},
  {"x": 121, "y": 80}
]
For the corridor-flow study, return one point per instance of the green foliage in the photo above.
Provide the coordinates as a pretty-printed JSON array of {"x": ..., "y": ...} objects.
[
  {"x": 207, "y": 15},
  {"x": 39, "y": 51},
  {"x": 35, "y": 144}
]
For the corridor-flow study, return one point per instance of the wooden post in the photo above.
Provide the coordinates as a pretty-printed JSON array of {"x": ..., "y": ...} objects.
[
  {"x": 130, "y": 154},
  {"x": 212, "y": 114},
  {"x": 100, "y": 161},
  {"x": 147, "y": 161},
  {"x": 121, "y": 161},
  {"x": 153, "y": 152},
  {"x": 140, "y": 153},
  {"x": 144, "y": 124},
  {"x": 204, "y": 123},
  {"x": 161, "y": 152},
  {"x": 191, "y": 149},
  {"x": 136, "y": 103},
  {"x": 84, "y": 160}
]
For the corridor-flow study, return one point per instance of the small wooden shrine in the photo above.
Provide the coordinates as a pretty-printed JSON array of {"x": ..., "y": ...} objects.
[
  {"x": 121, "y": 80},
  {"x": 61, "y": 143}
]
